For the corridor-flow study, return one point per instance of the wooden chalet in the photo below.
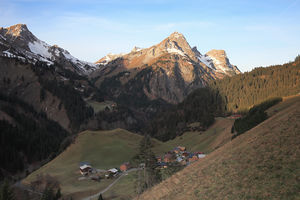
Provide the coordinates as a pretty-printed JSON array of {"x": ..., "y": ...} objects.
[{"x": 85, "y": 168}]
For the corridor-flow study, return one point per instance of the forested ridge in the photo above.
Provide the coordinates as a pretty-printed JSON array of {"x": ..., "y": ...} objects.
[
  {"x": 242, "y": 91},
  {"x": 222, "y": 97},
  {"x": 200, "y": 106},
  {"x": 27, "y": 134},
  {"x": 30, "y": 137},
  {"x": 76, "y": 108}
]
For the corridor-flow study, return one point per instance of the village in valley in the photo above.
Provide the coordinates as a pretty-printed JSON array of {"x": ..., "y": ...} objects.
[{"x": 178, "y": 156}]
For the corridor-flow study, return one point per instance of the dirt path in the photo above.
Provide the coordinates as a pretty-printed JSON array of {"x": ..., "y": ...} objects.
[{"x": 112, "y": 184}]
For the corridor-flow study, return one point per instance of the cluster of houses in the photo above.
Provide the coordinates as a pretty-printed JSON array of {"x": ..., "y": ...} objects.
[
  {"x": 87, "y": 170},
  {"x": 179, "y": 155}
]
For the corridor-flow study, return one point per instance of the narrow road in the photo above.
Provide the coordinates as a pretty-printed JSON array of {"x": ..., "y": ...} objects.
[{"x": 112, "y": 184}]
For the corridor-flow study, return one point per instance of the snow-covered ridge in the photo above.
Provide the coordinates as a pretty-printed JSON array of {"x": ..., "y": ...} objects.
[
  {"x": 46, "y": 55},
  {"x": 24, "y": 42},
  {"x": 206, "y": 60}
]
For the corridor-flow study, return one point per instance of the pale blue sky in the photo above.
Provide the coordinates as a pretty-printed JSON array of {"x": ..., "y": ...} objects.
[{"x": 253, "y": 32}]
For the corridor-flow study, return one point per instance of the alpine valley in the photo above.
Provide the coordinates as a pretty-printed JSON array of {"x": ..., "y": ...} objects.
[{"x": 155, "y": 112}]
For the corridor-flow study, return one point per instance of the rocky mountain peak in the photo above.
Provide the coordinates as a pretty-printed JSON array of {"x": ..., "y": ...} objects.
[
  {"x": 17, "y": 29},
  {"x": 172, "y": 68},
  {"x": 176, "y": 43},
  {"x": 19, "y": 32},
  {"x": 221, "y": 61},
  {"x": 217, "y": 53},
  {"x": 177, "y": 35}
]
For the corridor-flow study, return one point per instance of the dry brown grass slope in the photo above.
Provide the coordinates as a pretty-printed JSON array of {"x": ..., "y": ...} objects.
[{"x": 263, "y": 163}]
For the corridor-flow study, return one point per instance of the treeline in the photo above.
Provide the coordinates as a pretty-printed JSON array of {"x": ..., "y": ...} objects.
[
  {"x": 255, "y": 116},
  {"x": 30, "y": 137},
  {"x": 200, "y": 106},
  {"x": 242, "y": 91}
]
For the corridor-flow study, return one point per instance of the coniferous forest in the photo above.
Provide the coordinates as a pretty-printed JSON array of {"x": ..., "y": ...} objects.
[
  {"x": 235, "y": 94},
  {"x": 31, "y": 137},
  {"x": 242, "y": 91}
]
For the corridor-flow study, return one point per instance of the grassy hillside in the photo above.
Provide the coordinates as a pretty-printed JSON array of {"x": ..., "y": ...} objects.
[
  {"x": 103, "y": 149},
  {"x": 263, "y": 163},
  {"x": 207, "y": 141},
  {"x": 106, "y": 149},
  {"x": 99, "y": 106}
]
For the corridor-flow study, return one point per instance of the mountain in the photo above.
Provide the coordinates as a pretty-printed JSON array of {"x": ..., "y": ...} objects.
[
  {"x": 18, "y": 41},
  {"x": 263, "y": 163},
  {"x": 46, "y": 77},
  {"x": 172, "y": 68}
]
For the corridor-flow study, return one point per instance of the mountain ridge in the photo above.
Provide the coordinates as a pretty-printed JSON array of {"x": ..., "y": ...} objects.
[
  {"x": 175, "y": 43},
  {"x": 174, "y": 69},
  {"x": 19, "y": 41}
]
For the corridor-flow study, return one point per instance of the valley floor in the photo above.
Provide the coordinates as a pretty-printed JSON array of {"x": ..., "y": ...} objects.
[{"x": 260, "y": 164}]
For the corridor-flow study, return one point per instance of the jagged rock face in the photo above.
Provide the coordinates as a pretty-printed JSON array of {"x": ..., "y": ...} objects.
[
  {"x": 221, "y": 63},
  {"x": 177, "y": 69},
  {"x": 18, "y": 41},
  {"x": 18, "y": 35}
]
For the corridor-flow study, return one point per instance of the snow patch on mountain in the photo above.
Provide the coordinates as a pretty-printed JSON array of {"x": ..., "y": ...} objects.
[
  {"x": 176, "y": 51},
  {"x": 206, "y": 60},
  {"x": 39, "y": 47},
  {"x": 218, "y": 64},
  {"x": 80, "y": 63}
]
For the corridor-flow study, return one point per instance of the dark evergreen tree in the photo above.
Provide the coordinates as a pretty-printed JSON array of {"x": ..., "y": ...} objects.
[
  {"x": 58, "y": 194},
  {"x": 6, "y": 192},
  {"x": 150, "y": 174},
  {"x": 100, "y": 197},
  {"x": 42, "y": 94}
]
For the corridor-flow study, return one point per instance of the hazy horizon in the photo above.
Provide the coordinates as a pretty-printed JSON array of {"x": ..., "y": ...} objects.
[{"x": 253, "y": 33}]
